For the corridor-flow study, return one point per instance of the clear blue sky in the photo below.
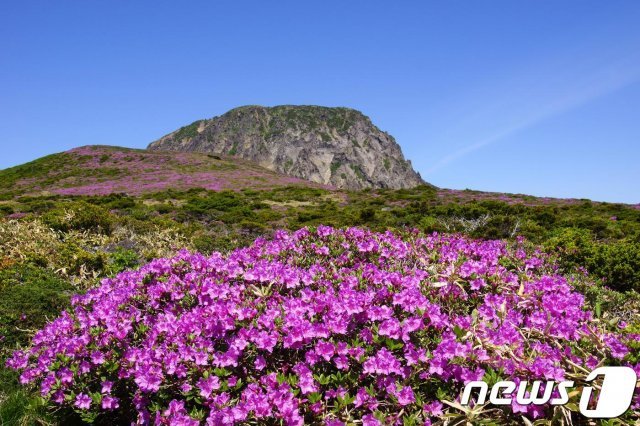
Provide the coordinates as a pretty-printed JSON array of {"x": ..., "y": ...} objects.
[{"x": 539, "y": 97}]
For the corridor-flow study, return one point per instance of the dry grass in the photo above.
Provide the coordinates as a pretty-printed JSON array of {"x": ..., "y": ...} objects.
[{"x": 76, "y": 255}]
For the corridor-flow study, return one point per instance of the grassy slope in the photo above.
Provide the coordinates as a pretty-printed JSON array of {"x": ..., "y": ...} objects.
[{"x": 101, "y": 170}]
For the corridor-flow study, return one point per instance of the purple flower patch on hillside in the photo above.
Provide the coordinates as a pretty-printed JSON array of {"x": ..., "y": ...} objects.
[
  {"x": 462, "y": 196},
  {"x": 100, "y": 170}
]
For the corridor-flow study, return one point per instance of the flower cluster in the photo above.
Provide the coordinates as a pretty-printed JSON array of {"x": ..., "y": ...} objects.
[{"x": 325, "y": 326}]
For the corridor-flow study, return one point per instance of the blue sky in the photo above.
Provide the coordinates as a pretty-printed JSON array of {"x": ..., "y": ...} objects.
[{"x": 537, "y": 97}]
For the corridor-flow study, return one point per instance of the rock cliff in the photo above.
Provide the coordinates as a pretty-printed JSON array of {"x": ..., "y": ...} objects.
[{"x": 333, "y": 146}]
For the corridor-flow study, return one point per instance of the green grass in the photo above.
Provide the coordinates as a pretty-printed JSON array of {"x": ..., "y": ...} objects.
[
  {"x": 23, "y": 408},
  {"x": 37, "y": 169}
]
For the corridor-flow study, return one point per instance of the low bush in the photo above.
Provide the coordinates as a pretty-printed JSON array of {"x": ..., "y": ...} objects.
[
  {"x": 29, "y": 297},
  {"x": 80, "y": 216},
  {"x": 122, "y": 259},
  {"x": 617, "y": 263}
]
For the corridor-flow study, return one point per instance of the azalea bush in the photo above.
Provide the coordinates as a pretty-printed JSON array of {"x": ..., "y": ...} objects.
[{"x": 323, "y": 326}]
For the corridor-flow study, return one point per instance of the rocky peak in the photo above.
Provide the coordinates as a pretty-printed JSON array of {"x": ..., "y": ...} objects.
[{"x": 334, "y": 146}]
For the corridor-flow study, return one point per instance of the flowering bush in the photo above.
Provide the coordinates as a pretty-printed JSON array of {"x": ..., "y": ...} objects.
[{"x": 326, "y": 326}]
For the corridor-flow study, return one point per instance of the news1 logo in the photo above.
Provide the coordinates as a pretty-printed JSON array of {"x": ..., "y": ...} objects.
[{"x": 614, "y": 397}]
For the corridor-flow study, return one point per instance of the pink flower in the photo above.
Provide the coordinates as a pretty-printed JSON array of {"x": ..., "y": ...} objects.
[
  {"x": 382, "y": 363},
  {"x": 390, "y": 328},
  {"x": 260, "y": 363},
  {"x": 291, "y": 323},
  {"x": 97, "y": 357},
  {"x": 477, "y": 284}
]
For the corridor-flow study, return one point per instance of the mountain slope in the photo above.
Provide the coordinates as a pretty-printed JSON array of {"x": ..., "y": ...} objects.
[
  {"x": 101, "y": 170},
  {"x": 335, "y": 146}
]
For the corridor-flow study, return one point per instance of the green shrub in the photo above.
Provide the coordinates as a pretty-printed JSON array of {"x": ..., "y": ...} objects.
[
  {"x": 618, "y": 264},
  {"x": 122, "y": 259},
  {"x": 204, "y": 243},
  {"x": 80, "y": 216},
  {"x": 6, "y": 209},
  {"x": 208, "y": 243},
  {"x": 252, "y": 226},
  {"x": 429, "y": 224},
  {"x": 220, "y": 201},
  {"x": 367, "y": 215},
  {"x": 163, "y": 208},
  {"x": 237, "y": 214},
  {"x": 120, "y": 202},
  {"x": 28, "y": 296}
]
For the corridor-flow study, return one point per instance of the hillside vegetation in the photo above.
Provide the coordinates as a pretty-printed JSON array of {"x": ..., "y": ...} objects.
[
  {"x": 56, "y": 240},
  {"x": 103, "y": 170}
]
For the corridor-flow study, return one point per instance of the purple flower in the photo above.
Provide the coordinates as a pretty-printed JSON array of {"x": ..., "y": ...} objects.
[
  {"x": 305, "y": 379},
  {"x": 618, "y": 350},
  {"x": 106, "y": 386},
  {"x": 260, "y": 363},
  {"x": 390, "y": 328},
  {"x": 433, "y": 408},
  {"x": 369, "y": 420},
  {"x": 325, "y": 350},
  {"x": 291, "y": 323},
  {"x": 97, "y": 357},
  {"x": 382, "y": 363},
  {"x": 65, "y": 375},
  {"x": 405, "y": 396},
  {"x": 148, "y": 380},
  {"x": 208, "y": 385},
  {"x": 477, "y": 284},
  {"x": 83, "y": 401},
  {"x": 109, "y": 403}
]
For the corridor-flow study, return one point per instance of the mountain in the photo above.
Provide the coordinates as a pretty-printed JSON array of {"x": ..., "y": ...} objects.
[
  {"x": 102, "y": 170},
  {"x": 333, "y": 146}
]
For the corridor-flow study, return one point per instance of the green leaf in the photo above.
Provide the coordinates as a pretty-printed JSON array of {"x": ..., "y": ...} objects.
[
  {"x": 459, "y": 332},
  {"x": 314, "y": 397}
]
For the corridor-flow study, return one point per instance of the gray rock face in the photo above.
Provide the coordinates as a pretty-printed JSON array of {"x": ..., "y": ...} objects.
[{"x": 333, "y": 146}]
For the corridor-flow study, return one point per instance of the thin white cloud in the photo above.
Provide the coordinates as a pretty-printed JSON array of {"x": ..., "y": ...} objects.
[{"x": 606, "y": 81}]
